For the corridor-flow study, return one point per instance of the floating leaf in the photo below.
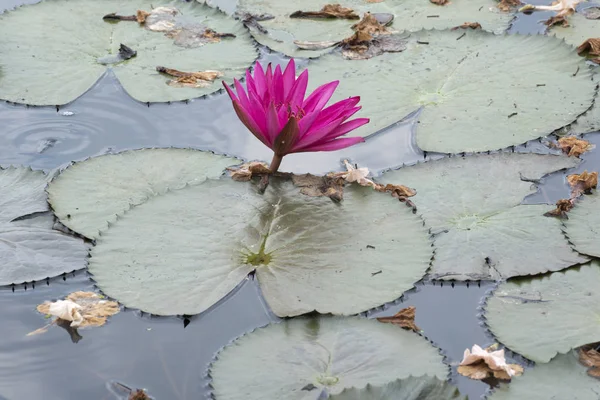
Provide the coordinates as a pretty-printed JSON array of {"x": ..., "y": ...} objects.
[
  {"x": 542, "y": 316},
  {"x": 182, "y": 252},
  {"x": 404, "y": 318},
  {"x": 299, "y": 358},
  {"x": 478, "y": 91},
  {"x": 281, "y": 32},
  {"x": 421, "y": 388},
  {"x": 481, "y": 231},
  {"x": 88, "y": 195},
  {"x": 590, "y": 357},
  {"x": 582, "y": 225},
  {"x": 574, "y": 146},
  {"x": 29, "y": 248},
  {"x": 561, "y": 378},
  {"x": 59, "y": 56},
  {"x": 480, "y": 364},
  {"x": 582, "y": 183}
]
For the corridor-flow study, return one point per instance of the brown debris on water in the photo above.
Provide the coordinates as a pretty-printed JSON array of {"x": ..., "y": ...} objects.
[
  {"x": 467, "y": 25},
  {"x": 370, "y": 39},
  {"x": 558, "y": 20},
  {"x": 329, "y": 11},
  {"x": 589, "y": 355},
  {"x": 245, "y": 172},
  {"x": 580, "y": 184},
  {"x": 139, "y": 394},
  {"x": 573, "y": 146},
  {"x": 439, "y": 2},
  {"x": 404, "y": 318},
  {"x": 371, "y": 25},
  {"x": 590, "y": 48},
  {"x": 481, "y": 363},
  {"x": 141, "y": 16},
  {"x": 319, "y": 186},
  {"x": 563, "y": 206},
  {"x": 508, "y": 5},
  {"x": 190, "y": 79}
]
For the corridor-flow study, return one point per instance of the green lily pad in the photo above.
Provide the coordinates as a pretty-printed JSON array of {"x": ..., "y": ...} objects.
[
  {"x": 298, "y": 359},
  {"x": 57, "y": 58},
  {"x": 89, "y": 195},
  {"x": 542, "y": 316},
  {"x": 582, "y": 225},
  {"x": 29, "y": 248},
  {"x": 410, "y": 15},
  {"x": 182, "y": 252},
  {"x": 481, "y": 231},
  {"x": 421, "y": 388},
  {"x": 478, "y": 91},
  {"x": 562, "y": 378}
]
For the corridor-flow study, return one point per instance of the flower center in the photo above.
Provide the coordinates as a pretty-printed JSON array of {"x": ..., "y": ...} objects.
[{"x": 297, "y": 113}]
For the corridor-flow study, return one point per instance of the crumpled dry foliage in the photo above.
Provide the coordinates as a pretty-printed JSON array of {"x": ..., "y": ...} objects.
[
  {"x": 467, "y": 25},
  {"x": 318, "y": 186},
  {"x": 245, "y": 172},
  {"x": 559, "y": 20},
  {"x": 481, "y": 364},
  {"x": 574, "y": 146},
  {"x": 139, "y": 394},
  {"x": 440, "y": 2},
  {"x": 190, "y": 79},
  {"x": 580, "y": 184},
  {"x": 371, "y": 38},
  {"x": 589, "y": 355},
  {"x": 508, "y": 5},
  {"x": 590, "y": 47},
  {"x": 141, "y": 16},
  {"x": 82, "y": 309},
  {"x": 563, "y": 206},
  {"x": 328, "y": 11},
  {"x": 370, "y": 25},
  {"x": 404, "y": 318}
]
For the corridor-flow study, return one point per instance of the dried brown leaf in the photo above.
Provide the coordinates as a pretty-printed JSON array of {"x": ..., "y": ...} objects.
[
  {"x": 467, "y": 25},
  {"x": 590, "y": 357},
  {"x": 190, "y": 79},
  {"x": 563, "y": 206},
  {"x": 245, "y": 172},
  {"x": 318, "y": 186},
  {"x": 370, "y": 39},
  {"x": 574, "y": 146},
  {"x": 440, "y": 2},
  {"x": 484, "y": 363},
  {"x": 508, "y": 5},
  {"x": 477, "y": 371},
  {"x": 589, "y": 47},
  {"x": 328, "y": 11},
  {"x": 141, "y": 16},
  {"x": 560, "y": 20},
  {"x": 582, "y": 183},
  {"x": 397, "y": 191},
  {"x": 138, "y": 394},
  {"x": 404, "y": 318},
  {"x": 370, "y": 25}
]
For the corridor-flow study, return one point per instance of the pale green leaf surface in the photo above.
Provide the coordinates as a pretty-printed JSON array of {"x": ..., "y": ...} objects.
[
  {"x": 88, "y": 195},
  {"x": 21, "y": 192},
  {"x": 562, "y": 378},
  {"x": 482, "y": 92},
  {"x": 289, "y": 359},
  {"x": 540, "y": 317},
  {"x": 472, "y": 206},
  {"x": 182, "y": 252},
  {"x": 583, "y": 224},
  {"x": 54, "y": 60},
  {"x": 579, "y": 30}
]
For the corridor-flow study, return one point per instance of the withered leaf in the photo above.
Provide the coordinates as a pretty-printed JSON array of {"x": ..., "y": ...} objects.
[
  {"x": 141, "y": 15},
  {"x": 318, "y": 186},
  {"x": 397, "y": 191},
  {"x": 480, "y": 371},
  {"x": 328, "y": 11},
  {"x": 590, "y": 47},
  {"x": 563, "y": 206},
  {"x": 467, "y": 25},
  {"x": 370, "y": 39},
  {"x": 560, "y": 20},
  {"x": 589, "y": 355},
  {"x": 308, "y": 45},
  {"x": 370, "y": 25},
  {"x": 582, "y": 183},
  {"x": 138, "y": 394},
  {"x": 404, "y": 318},
  {"x": 190, "y": 79},
  {"x": 574, "y": 146},
  {"x": 508, "y": 5},
  {"x": 245, "y": 172},
  {"x": 483, "y": 363},
  {"x": 440, "y": 2}
]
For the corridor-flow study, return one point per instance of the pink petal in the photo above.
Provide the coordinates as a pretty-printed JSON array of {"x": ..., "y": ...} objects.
[
  {"x": 269, "y": 80},
  {"x": 336, "y": 111},
  {"x": 289, "y": 77},
  {"x": 250, "y": 82},
  {"x": 314, "y": 136},
  {"x": 229, "y": 91},
  {"x": 307, "y": 122},
  {"x": 346, "y": 127},
  {"x": 320, "y": 96},
  {"x": 243, "y": 98},
  {"x": 260, "y": 82},
  {"x": 296, "y": 96},
  {"x": 249, "y": 122},
  {"x": 336, "y": 144},
  {"x": 278, "y": 88},
  {"x": 273, "y": 127}
]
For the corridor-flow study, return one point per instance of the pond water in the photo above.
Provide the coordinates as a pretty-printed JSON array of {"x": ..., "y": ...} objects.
[{"x": 169, "y": 356}]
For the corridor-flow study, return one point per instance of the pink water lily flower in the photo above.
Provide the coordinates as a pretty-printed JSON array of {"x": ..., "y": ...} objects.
[{"x": 274, "y": 108}]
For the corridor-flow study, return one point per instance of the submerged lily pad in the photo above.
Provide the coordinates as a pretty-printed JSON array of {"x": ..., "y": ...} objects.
[
  {"x": 582, "y": 225},
  {"x": 478, "y": 91},
  {"x": 29, "y": 248},
  {"x": 562, "y": 378},
  {"x": 410, "y": 15},
  {"x": 481, "y": 231},
  {"x": 421, "y": 388},
  {"x": 59, "y": 56},
  {"x": 182, "y": 252},
  {"x": 540, "y": 317},
  {"x": 298, "y": 359},
  {"x": 89, "y": 195}
]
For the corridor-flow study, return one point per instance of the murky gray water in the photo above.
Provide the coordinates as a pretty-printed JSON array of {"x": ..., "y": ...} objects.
[{"x": 159, "y": 354}]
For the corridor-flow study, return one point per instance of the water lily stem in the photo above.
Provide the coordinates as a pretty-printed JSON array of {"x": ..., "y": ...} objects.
[{"x": 275, "y": 163}]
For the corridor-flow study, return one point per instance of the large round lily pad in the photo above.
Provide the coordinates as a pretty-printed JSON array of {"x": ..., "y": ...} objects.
[
  {"x": 481, "y": 231},
  {"x": 182, "y": 252},
  {"x": 478, "y": 91},
  {"x": 88, "y": 195},
  {"x": 56, "y": 59},
  {"x": 29, "y": 248},
  {"x": 410, "y": 15},
  {"x": 300, "y": 358},
  {"x": 582, "y": 225},
  {"x": 540, "y": 317},
  {"x": 562, "y": 378},
  {"x": 413, "y": 388},
  {"x": 579, "y": 29}
]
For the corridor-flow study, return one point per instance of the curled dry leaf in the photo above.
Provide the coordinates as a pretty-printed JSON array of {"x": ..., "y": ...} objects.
[
  {"x": 370, "y": 24},
  {"x": 589, "y": 355},
  {"x": 480, "y": 364},
  {"x": 308, "y": 45},
  {"x": 189, "y": 79},
  {"x": 574, "y": 146},
  {"x": 328, "y": 11},
  {"x": 138, "y": 394},
  {"x": 590, "y": 47},
  {"x": 508, "y": 5},
  {"x": 440, "y": 2},
  {"x": 371, "y": 38},
  {"x": 141, "y": 16},
  {"x": 245, "y": 172},
  {"x": 563, "y": 206},
  {"x": 467, "y": 25},
  {"x": 404, "y": 318},
  {"x": 560, "y": 20},
  {"x": 317, "y": 186},
  {"x": 582, "y": 183}
]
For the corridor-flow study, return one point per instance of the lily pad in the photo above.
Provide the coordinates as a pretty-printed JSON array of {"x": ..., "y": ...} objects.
[
  {"x": 481, "y": 231},
  {"x": 478, "y": 91},
  {"x": 298, "y": 359},
  {"x": 182, "y": 252},
  {"x": 29, "y": 248},
  {"x": 59, "y": 56},
  {"x": 89, "y": 195},
  {"x": 562, "y": 378},
  {"x": 579, "y": 29},
  {"x": 542, "y": 316},
  {"x": 421, "y": 388},
  {"x": 410, "y": 15},
  {"x": 582, "y": 225}
]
